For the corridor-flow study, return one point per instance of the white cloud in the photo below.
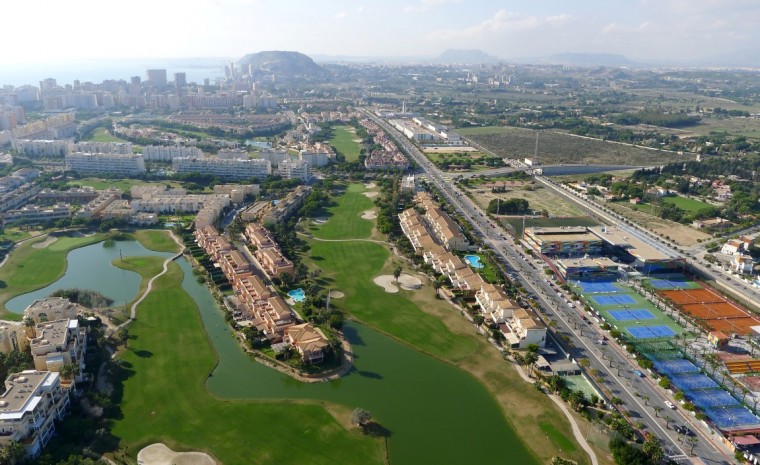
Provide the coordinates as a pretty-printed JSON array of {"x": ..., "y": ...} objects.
[
  {"x": 341, "y": 15},
  {"x": 502, "y": 21},
  {"x": 426, "y": 5}
]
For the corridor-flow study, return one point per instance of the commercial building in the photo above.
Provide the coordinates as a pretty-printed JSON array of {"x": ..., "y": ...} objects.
[
  {"x": 32, "y": 402},
  {"x": 225, "y": 169},
  {"x": 563, "y": 240},
  {"x": 109, "y": 164},
  {"x": 647, "y": 257},
  {"x": 156, "y": 77},
  {"x": 587, "y": 268}
]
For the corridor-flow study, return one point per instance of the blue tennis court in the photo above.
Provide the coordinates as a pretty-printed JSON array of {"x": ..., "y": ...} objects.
[
  {"x": 647, "y": 332},
  {"x": 598, "y": 286},
  {"x": 689, "y": 381},
  {"x": 634, "y": 314},
  {"x": 677, "y": 365},
  {"x": 669, "y": 284},
  {"x": 732, "y": 417},
  {"x": 623, "y": 299},
  {"x": 708, "y": 398}
]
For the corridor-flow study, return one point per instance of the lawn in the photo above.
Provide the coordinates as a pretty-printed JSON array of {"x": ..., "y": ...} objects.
[
  {"x": 428, "y": 324},
  {"x": 102, "y": 135},
  {"x": 165, "y": 399},
  {"x": 16, "y": 234},
  {"x": 562, "y": 442},
  {"x": 124, "y": 184},
  {"x": 689, "y": 205},
  {"x": 28, "y": 268},
  {"x": 344, "y": 217},
  {"x": 344, "y": 141},
  {"x": 156, "y": 239}
]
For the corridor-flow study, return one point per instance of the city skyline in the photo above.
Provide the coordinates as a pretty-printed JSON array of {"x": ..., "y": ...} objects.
[{"x": 644, "y": 30}]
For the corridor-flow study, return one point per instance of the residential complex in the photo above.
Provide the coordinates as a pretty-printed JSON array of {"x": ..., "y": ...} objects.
[
  {"x": 58, "y": 343},
  {"x": 267, "y": 252},
  {"x": 309, "y": 340},
  {"x": 389, "y": 158},
  {"x": 32, "y": 402},
  {"x": 234, "y": 169},
  {"x": 105, "y": 164},
  {"x": 294, "y": 169},
  {"x": 169, "y": 152}
]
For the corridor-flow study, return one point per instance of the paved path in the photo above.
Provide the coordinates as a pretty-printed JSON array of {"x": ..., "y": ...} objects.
[
  {"x": 344, "y": 240},
  {"x": 573, "y": 424},
  {"x": 149, "y": 287}
]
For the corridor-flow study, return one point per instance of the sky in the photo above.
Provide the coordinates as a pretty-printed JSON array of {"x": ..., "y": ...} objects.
[{"x": 46, "y": 31}]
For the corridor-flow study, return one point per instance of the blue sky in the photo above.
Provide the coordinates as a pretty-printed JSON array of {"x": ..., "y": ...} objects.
[{"x": 55, "y": 30}]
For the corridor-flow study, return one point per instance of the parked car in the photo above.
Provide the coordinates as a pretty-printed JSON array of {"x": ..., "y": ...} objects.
[
  {"x": 670, "y": 405},
  {"x": 638, "y": 373}
]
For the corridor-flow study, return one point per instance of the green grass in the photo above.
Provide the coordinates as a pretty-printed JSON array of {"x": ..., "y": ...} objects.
[
  {"x": 102, "y": 135},
  {"x": 344, "y": 216},
  {"x": 517, "y": 223},
  {"x": 164, "y": 397},
  {"x": 14, "y": 234},
  {"x": 29, "y": 269},
  {"x": 344, "y": 142},
  {"x": 156, "y": 239},
  {"x": 124, "y": 184},
  {"x": 562, "y": 442},
  {"x": 690, "y": 205}
]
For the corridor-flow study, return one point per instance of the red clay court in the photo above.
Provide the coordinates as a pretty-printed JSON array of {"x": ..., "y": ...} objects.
[
  {"x": 692, "y": 296},
  {"x": 713, "y": 309}
]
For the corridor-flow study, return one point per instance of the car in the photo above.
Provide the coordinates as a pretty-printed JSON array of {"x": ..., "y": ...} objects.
[
  {"x": 638, "y": 373},
  {"x": 670, "y": 405}
]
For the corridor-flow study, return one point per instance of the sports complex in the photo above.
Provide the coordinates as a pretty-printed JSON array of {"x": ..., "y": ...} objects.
[{"x": 602, "y": 264}]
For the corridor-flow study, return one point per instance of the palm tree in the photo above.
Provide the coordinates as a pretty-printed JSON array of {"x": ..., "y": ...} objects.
[
  {"x": 397, "y": 272},
  {"x": 692, "y": 442},
  {"x": 667, "y": 419},
  {"x": 69, "y": 370},
  {"x": 657, "y": 410}
]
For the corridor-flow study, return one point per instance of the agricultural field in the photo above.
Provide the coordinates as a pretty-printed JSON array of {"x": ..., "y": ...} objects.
[
  {"x": 679, "y": 233},
  {"x": 555, "y": 147}
]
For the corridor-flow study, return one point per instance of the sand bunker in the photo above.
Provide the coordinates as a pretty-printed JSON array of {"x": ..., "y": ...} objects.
[
  {"x": 159, "y": 454},
  {"x": 320, "y": 220},
  {"x": 48, "y": 240},
  {"x": 369, "y": 215},
  {"x": 405, "y": 281},
  {"x": 336, "y": 295},
  {"x": 371, "y": 185},
  {"x": 371, "y": 194}
]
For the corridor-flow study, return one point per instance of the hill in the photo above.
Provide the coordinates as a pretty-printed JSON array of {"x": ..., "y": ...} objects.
[
  {"x": 473, "y": 56},
  {"x": 281, "y": 63}
]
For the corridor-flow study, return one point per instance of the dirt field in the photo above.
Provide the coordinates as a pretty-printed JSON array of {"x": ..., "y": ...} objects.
[
  {"x": 680, "y": 233},
  {"x": 448, "y": 149},
  {"x": 539, "y": 198},
  {"x": 557, "y": 148}
]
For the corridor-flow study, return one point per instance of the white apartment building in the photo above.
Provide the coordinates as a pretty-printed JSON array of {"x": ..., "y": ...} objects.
[
  {"x": 274, "y": 156},
  {"x": 59, "y": 343},
  {"x": 178, "y": 204},
  {"x": 232, "y": 154},
  {"x": 226, "y": 169},
  {"x": 37, "y": 214},
  {"x": 102, "y": 163},
  {"x": 315, "y": 159},
  {"x": 122, "y": 148},
  {"x": 294, "y": 169},
  {"x": 41, "y": 148},
  {"x": 28, "y": 408},
  {"x": 51, "y": 309},
  {"x": 169, "y": 152}
]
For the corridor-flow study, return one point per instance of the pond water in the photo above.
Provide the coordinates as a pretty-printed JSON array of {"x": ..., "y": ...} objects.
[
  {"x": 435, "y": 413},
  {"x": 258, "y": 143},
  {"x": 90, "y": 268}
]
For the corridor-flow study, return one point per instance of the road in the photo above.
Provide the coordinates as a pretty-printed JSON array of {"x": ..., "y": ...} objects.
[{"x": 639, "y": 395}]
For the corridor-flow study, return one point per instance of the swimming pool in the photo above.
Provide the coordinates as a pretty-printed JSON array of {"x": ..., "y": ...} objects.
[
  {"x": 474, "y": 261},
  {"x": 297, "y": 294}
]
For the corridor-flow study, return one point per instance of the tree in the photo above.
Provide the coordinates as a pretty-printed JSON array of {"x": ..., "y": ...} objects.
[
  {"x": 577, "y": 400},
  {"x": 11, "y": 453},
  {"x": 397, "y": 272},
  {"x": 124, "y": 335},
  {"x": 657, "y": 410},
  {"x": 530, "y": 358},
  {"x": 360, "y": 416},
  {"x": 69, "y": 370},
  {"x": 692, "y": 442},
  {"x": 653, "y": 449},
  {"x": 478, "y": 320}
]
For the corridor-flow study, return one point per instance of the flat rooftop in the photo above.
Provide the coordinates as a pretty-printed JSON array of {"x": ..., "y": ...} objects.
[
  {"x": 563, "y": 234},
  {"x": 635, "y": 246},
  {"x": 586, "y": 262}
]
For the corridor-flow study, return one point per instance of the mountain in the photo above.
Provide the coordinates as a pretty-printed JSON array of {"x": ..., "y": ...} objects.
[
  {"x": 281, "y": 63},
  {"x": 474, "y": 57},
  {"x": 590, "y": 59}
]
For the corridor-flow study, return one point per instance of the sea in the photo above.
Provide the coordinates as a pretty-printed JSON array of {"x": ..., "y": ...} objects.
[{"x": 100, "y": 70}]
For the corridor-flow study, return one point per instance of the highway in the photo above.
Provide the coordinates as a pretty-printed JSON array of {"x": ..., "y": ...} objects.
[{"x": 639, "y": 395}]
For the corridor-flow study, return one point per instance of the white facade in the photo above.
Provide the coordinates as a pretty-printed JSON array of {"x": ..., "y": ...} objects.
[
  {"x": 232, "y": 154},
  {"x": 41, "y": 148},
  {"x": 169, "y": 152},
  {"x": 743, "y": 264},
  {"x": 122, "y": 148},
  {"x": 226, "y": 169},
  {"x": 315, "y": 159},
  {"x": 294, "y": 169},
  {"x": 101, "y": 163},
  {"x": 274, "y": 156},
  {"x": 31, "y": 402}
]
